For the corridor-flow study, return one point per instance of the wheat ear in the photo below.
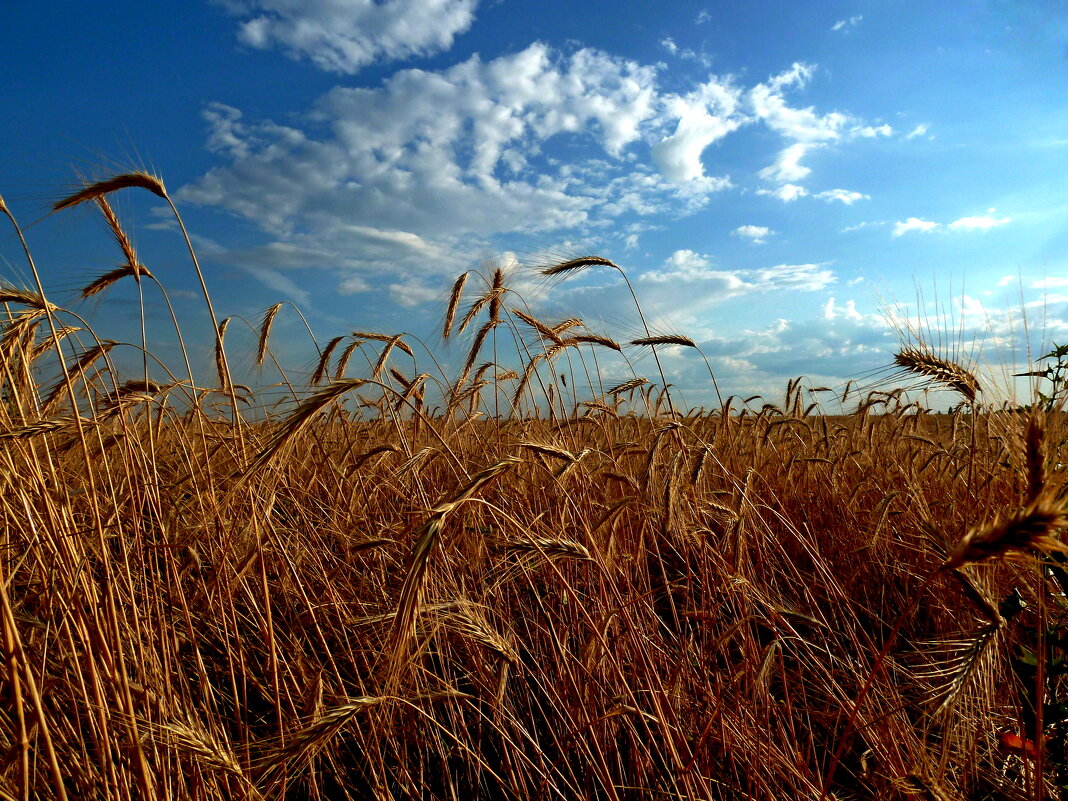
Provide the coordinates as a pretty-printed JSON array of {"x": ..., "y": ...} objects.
[
  {"x": 924, "y": 362},
  {"x": 1033, "y": 528}
]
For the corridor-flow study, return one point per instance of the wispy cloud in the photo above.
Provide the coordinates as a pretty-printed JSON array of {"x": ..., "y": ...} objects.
[
  {"x": 687, "y": 266},
  {"x": 846, "y": 24},
  {"x": 1049, "y": 282},
  {"x": 805, "y": 129},
  {"x": 976, "y": 223}
]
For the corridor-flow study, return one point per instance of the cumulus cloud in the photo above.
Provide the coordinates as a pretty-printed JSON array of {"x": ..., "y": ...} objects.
[
  {"x": 346, "y": 35},
  {"x": 842, "y": 196},
  {"x": 787, "y": 167},
  {"x": 755, "y": 233},
  {"x": 704, "y": 117},
  {"x": 399, "y": 175},
  {"x": 832, "y": 311},
  {"x": 786, "y": 192},
  {"x": 981, "y": 223},
  {"x": 430, "y": 158},
  {"x": 914, "y": 224},
  {"x": 768, "y": 103}
]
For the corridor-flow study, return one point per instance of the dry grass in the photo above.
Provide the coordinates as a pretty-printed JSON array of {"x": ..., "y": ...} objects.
[{"x": 590, "y": 597}]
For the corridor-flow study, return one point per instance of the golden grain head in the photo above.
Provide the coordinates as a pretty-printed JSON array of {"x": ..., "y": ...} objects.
[
  {"x": 137, "y": 179},
  {"x": 577, "y": 264},
  {"x": 1034, "y": 528},
  {"x": 927, "y": 364},
  {"x": 665, "y": 339}
]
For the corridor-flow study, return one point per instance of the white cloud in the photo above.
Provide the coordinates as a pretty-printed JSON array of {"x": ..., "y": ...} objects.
[
  {"x": 767, "y": 102},
  {"x": 687, "y": 266},
  {"x": 703, "y": 16},
  {"x": 914, "y": 224},
  {"x": 832, "y": 311},
  {"x": 842, "y": 196},
  {"x": 785, "y": 193},
  {"x": 787, "y": 167},
  {"x": 1005, "y": 280},
  {"x": 345, "y": 35},
  {"x": 1049, "y": 283},
  {"x": 353, "y": 285},
  {"x": 845, "y": 24},
  {"x": 804, "y": 129},
  {"x": 687, "y": 53},
  {"x": 978, "y": 223},
  {"x": 704, "y": 117},
  {"x": 872, "y": 131},
  {"x": 756, "y": 233},
  {"x": 803, "y": 277},
  {"x": 919, "y": 130},
  {"x": 411, "y": 174},
  {"x": 429, "y": 157},
  {"x": 413, "y": 292}
]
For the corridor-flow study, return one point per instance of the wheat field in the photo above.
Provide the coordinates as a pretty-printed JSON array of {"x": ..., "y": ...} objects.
[{"x": 410, "y": 584}]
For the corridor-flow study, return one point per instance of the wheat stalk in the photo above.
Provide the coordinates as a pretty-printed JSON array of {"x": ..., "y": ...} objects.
[{"x": 411, "y": 593}]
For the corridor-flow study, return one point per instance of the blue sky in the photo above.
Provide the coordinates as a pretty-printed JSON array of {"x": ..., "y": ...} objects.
[{"x": 773, "y": 176}]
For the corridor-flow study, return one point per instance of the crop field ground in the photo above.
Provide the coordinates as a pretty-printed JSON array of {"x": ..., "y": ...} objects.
[{"x": 508, "y": 592}]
